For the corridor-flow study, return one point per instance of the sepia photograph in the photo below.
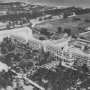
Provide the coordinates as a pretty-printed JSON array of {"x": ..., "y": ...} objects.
[{"x": 44, "y": 44}]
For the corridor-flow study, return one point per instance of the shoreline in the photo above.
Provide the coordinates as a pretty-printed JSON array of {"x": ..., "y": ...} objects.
[
  {"x": 60, "y": 6},
  {"x": 46, "y": 4},
  {"x": 53, "y": 3}
]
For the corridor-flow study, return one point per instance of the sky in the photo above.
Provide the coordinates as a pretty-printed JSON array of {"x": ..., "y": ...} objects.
[{"x": 83, "y": 3}]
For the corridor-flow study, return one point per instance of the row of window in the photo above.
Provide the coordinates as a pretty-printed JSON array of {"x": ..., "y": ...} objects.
[
  {"x": 53, "y": 64},
  {"x": 79, "y": 57},
  {"x": 34, "y": 44},
  {"x": 57, "y": 51},
  {"x": 52, "y": 49},
  {"x": 66, "y": 61}
]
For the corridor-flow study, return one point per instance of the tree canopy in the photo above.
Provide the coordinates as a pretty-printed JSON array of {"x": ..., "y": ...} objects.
[
  {"x": 67, "y": 30},
  {"x": 59, "y": 29}
]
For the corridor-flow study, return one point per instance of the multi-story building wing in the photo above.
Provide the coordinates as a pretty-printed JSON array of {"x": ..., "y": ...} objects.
[
  {"x": 34, "y": 44},
  {"x": 59, "y": 49},
  {"x": 60, "y": 54},
  {"x": 80, "y": 56},
  {"x": 54, "y": 50},
  {"x": 52, "y": 64},
  {"x": 54, "y": 46}
]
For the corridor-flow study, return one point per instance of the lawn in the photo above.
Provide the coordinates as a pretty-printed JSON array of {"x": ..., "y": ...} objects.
[
  {"x": 84, "y": 16},
  {"x": 64, "y": 23}
]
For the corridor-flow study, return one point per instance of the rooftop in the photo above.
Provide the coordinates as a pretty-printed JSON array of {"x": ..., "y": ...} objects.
[
  {"x": 80, "y": 43},
  {"x": 24, "y": 33},
  {"x": 58, "y": 41},
  {"x": 86, "y": 35},
  {"x": 78, "y": 51}
]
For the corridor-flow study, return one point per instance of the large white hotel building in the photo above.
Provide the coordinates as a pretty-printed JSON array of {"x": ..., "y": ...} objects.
[{"x": 60, "y": 49}]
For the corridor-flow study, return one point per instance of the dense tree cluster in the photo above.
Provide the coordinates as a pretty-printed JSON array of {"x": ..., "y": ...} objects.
[
  {"x": 14, "y": 17},
  {"x": 87, "y": 20},
  {"x": 45, "y": 32},
  {"x": 59, "y": 29},
  {"x": 61, "y": 10},
  {"x": 22, "y": 56},
  {"x": 67, "y": 30},
  {"x": 82, "y": 11},
  {"x": 41, "y": 38},
  {"x": 6, "y": 78},
  {"x": 60, "y": 79}
]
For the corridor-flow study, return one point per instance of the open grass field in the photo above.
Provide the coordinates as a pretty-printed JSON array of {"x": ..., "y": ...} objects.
[
  {"x": 64, "y": 23},
  {"x": 84, "y": 16}
]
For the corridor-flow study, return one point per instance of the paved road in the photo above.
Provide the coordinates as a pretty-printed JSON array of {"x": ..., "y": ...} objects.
[{"x": 30, "y": 81}]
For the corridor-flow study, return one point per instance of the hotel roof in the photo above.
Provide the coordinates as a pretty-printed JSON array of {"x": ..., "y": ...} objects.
[{"x": 80, "y": 43}]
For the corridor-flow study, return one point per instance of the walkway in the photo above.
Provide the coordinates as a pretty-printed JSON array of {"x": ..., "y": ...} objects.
[{"x": 30, "y": 81}]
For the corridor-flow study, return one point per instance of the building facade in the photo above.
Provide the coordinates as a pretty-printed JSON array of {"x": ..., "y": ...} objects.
[
  {"x": 34, "y": 44},
  {"x": 59, "y": 49}
]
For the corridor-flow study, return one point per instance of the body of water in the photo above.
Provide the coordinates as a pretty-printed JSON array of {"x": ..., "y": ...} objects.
[{"x": 79, "y": 3}]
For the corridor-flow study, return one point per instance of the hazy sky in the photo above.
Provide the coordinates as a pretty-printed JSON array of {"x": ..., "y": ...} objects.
[{"x": 85, "y": 3}]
